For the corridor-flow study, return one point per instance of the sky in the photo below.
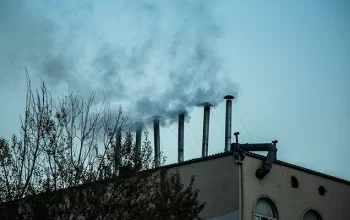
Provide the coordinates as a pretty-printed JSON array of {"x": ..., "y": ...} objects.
[{"x": 287, "y": 64}]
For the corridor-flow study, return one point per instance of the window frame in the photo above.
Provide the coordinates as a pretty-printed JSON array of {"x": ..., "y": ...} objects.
[
  {"x": 311, "y": 209},
  {"x": 261, "y": 216},
  {"x": 271, "y": 202}
]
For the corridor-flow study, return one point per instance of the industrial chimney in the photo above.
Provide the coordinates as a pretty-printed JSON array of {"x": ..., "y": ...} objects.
[
  {"x": 206, "y": 118},
  {"x": 181, "y": 132},
  {"x": 138, "y": 127},
  {"x": 156, "y": 140},
  {"x": 228, "y": 122},
  {"x": 117, "y": 158}
]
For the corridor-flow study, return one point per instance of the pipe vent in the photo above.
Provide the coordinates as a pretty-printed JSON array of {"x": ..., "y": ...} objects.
[
  {"x": 156, "y": 140},
  {"x": 206, "y": 119},
  {"x": 138, "y": 128},
  {"x": 271, "y": 149},
  {"x": 181, "y": 134},
  {"x": 228, "y": 122}
]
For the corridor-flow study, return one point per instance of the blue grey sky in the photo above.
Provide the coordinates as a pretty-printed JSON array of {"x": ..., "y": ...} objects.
[{"x": 287, "y": 63}]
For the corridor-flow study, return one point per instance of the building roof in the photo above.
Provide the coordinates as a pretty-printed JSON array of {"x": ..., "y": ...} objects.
[{"x": 219, "y": 155}]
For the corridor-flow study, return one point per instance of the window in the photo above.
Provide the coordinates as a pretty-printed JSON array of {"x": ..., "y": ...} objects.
[
  {"x": 311, "y": 215},
  {"x": 265, "y": 210}
]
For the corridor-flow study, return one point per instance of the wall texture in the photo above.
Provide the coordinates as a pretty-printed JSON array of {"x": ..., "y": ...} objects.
[
  {"x": 217, "y": 180},
  {"x": 292, "y": 202},
  {"x": 230, "y": 216}
]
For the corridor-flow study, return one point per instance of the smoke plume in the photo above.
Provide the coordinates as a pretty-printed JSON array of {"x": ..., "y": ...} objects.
[
  {"x": 154, "y": 57},
  {"x": 196, "y": 71}
]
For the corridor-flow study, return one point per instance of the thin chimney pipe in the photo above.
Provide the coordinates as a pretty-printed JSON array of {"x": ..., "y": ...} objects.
[
  {"x": 156, "y": 140},
  {"x": 139, "y": 126},
  {"x": 181, "y": 135},
  {"x": 228, "y": 122},
  {"x": 117, "y": 158},
  {"x": 206, "y": 118}
]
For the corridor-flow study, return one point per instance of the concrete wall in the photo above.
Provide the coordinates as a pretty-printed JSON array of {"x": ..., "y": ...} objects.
[
  {"x": 292, "y": 202},
  {"x": 217, "y": 180}
]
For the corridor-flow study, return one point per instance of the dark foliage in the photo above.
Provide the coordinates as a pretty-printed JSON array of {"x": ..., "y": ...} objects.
[{"x": 73, "y": 162}]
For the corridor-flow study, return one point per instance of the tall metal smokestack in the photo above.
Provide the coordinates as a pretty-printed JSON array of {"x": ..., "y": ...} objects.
[
  {"x": 205, "y": 129},
  {"x": 138, "y": 127},
  {"x": 228, "y": 122},
  {"x": 156, "y": 140},
  {"x": 117, "y": 158},
  {"x": 181, "y": 135}
]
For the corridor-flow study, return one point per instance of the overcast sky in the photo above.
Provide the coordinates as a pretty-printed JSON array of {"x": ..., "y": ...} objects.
[{"x": 287, "y": 63}]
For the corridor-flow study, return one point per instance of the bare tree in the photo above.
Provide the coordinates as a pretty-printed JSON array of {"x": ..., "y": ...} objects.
[{"x": 76, "y": 159}]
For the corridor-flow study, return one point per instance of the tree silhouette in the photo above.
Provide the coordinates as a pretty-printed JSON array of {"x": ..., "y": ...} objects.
[{"x": 76, "y": 159}]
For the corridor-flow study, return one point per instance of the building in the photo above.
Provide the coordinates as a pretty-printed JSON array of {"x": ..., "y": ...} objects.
[
  {"x": 230, "y": 188},
  {"x": 239, "y": 184}
]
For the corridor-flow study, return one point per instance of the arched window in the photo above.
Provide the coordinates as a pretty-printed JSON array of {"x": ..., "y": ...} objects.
[
  {"x": 265, "y": 210},
  {"x": 312, "y": 215}
]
